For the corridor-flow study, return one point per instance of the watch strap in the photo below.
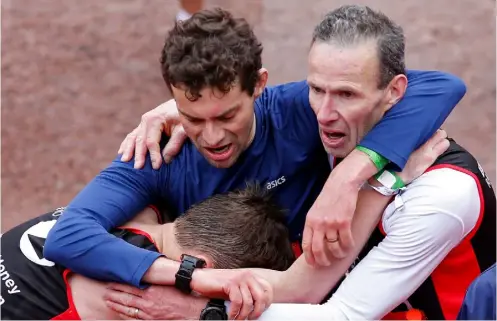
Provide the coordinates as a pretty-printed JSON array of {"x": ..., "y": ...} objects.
[
  {"x": 390, "y": 183},
  {"x": 184, "y": 275},
  {"x": 390, "y": 179}
]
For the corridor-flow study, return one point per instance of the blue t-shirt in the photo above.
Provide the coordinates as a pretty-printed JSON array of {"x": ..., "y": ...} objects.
[
  {"x": 286, "y": 156},
  {"x": 480, "y": 300}
]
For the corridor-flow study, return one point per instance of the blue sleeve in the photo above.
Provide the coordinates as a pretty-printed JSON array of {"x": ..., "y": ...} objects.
[
  {"x": 479, "y": 302},
  {"x": 429, "y": 99},
  {"x": 80, "y": 240}
]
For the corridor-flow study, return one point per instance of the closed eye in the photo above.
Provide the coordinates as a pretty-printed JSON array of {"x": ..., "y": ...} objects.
[
  {"x": 193, "y": 120},
  {"x": 317, "y": 90},
  {"x": 226, "y": 118},
  {"x": 346, "y": 94}
]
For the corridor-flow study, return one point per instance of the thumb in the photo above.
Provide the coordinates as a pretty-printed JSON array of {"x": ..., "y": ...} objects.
[{"x": 441, "y": 147}]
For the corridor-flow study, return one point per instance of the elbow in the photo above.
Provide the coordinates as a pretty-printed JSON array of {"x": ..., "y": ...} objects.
[
  {"x": 52, "y": 250},
  {"x": 456, "y": 86}
]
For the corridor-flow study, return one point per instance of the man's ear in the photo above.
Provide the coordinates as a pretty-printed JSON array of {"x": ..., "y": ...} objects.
[
  {"x": 261, "y": 83},
  {"x": 208, "y": 261},
  {"x": 395, "y": 91}
]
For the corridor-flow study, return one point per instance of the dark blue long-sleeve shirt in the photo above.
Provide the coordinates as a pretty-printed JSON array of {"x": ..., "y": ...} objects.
[{"x": 286, "y": 155}]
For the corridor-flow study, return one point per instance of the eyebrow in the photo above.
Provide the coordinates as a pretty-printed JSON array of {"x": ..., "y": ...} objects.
[
  {"x": 339, "y": 87},
  {"x": 229, "y": 110},
  {"x": 218, "y": 116}
]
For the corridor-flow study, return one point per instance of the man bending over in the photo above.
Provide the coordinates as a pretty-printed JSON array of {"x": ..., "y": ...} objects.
[{"x": 234, "y": 230}]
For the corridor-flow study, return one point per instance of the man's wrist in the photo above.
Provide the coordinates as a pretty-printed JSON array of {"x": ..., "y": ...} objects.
[
  {"x": 378, "y": 160},
  {"x": 162, "y": 272},
  {"x": 197, "y": 276},
  {"x": 354, "y": 170}
]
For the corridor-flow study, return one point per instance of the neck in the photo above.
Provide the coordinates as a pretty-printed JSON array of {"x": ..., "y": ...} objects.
[
  {"x": 168, "y": 244},
  {"x": 164, "y": 238},
  {"x": 252, "y": 131}
]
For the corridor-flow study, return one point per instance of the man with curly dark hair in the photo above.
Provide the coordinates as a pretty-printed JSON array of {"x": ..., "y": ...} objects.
[{"x": 241, "y": 130}]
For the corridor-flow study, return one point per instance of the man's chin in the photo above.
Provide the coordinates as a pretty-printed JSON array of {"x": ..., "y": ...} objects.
[
  {"x": 340, "y": 152},
  {"x": 227, "y": 163}
]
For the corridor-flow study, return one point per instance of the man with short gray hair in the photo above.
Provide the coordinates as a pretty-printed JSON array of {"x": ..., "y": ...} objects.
[{"x": 356, "y": 73}]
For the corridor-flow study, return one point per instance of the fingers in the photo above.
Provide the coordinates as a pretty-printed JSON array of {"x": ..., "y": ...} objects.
[
  {"x": 318, "y": 248},
  {"x": 125, "y": 288},
  {"x": 173, "y": 147},
  {"x": 235, "y": 297},
  {"x": 437, "y": 144},
  {"x": 441, "y": 147},
  {"x": 140, "y": 145},
  {"x": 127, "y": 312},
  {"x": 154, "y": 135},
  {"x": 307, "y": 245},
  {"x": 128, "y": 146},
  {"x": 334, "y": 248},
  {"x": 123, "y": 144},
  {"x": 247, "y": 302},
  {"x": 346, "y": 241},
  {"x": 439, "y": 135},
  {"x": 262, "y": 291},
  {"x": 249, "y": 296}
]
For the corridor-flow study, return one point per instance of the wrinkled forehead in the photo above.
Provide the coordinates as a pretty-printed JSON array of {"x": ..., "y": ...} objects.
[
  {"x": 211, "y": 103},
  {"x": 355, "y": 65}
]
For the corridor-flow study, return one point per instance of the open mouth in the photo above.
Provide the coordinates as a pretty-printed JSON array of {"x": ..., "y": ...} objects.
[
  {"x": 219, "y": 150},
  {"x": 334, "y": 135},
  {"x": 220, "y": 153},
  {"x": 333, "y": 139}
]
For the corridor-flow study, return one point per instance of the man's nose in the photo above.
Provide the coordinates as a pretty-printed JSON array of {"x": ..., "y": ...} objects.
[
  {"x": 327, "y": 111},
  {"x": 213, "y": 134}
]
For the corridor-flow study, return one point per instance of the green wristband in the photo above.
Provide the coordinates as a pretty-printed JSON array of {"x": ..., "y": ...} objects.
[
  {"x": 379, "y": 161},
  {"x": 399, "y": 183}
]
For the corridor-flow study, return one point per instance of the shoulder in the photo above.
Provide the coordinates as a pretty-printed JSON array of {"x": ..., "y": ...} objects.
[
  {"x": 274, "y": 96},
  {"x": 486, "y": 281},
  {"x": 286, "y": 108},
  {"x": 283, "y": 102},
  {"x": 442, "y": 204}
]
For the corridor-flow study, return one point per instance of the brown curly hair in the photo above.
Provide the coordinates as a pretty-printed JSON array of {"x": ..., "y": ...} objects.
[{"x": 211, "y": 49}]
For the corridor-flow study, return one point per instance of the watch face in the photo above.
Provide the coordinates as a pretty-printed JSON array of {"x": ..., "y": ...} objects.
[{"x": 214, "y": 314}]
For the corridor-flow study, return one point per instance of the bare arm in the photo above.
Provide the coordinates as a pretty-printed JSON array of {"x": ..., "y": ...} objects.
[{"x": 303, "y": 283}]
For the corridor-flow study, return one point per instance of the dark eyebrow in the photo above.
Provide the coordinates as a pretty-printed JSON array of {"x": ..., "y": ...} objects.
[
  {"x": 228, "y": 111},
  {"x": 185, "y": 114}
]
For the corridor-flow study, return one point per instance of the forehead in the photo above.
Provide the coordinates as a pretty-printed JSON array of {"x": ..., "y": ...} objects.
[
  {"x": 334, "y": 64},
  {"x": 211, "y": 103}
]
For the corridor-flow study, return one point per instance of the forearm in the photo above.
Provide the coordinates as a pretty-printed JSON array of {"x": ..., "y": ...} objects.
[
  {"x": 352, "y": 172},
  {"x": 302, "y": 283},
  {"x": 82, "y": 245},
  {"x": 429, "y": 99},
  {"x": 162, "y": 272},
  {"x": 80, "y": 240}
]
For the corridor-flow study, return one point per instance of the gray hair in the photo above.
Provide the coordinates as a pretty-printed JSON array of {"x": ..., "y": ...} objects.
[{"x": 352, "y": 24}]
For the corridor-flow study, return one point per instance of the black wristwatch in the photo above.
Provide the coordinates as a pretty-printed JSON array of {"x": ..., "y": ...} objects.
[
  {"x": 184, "y": 275},
  {"x": 215, "y": 310}
]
